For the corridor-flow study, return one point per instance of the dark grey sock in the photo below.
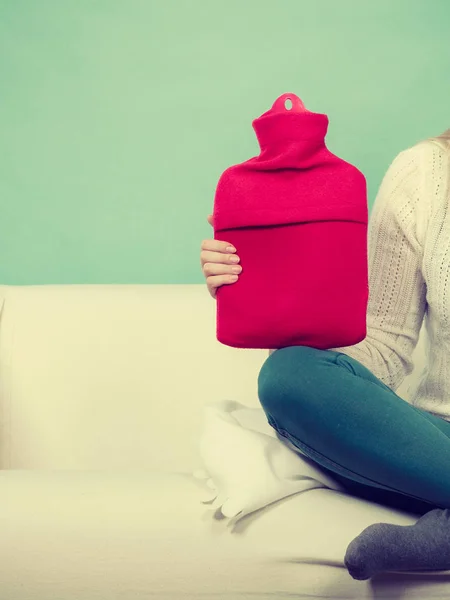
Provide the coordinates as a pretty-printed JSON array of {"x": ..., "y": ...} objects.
[{"x": 424, "y": 546}]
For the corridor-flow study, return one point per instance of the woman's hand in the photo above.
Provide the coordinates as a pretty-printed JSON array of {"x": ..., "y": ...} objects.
[{"x": 219, "y": 265}]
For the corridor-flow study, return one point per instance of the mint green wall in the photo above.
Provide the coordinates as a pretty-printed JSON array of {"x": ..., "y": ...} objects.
[{"x": 117, "y": 117}]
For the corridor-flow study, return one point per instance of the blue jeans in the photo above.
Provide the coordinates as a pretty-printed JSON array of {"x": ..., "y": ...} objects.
[{"x": 357, "y": 429}]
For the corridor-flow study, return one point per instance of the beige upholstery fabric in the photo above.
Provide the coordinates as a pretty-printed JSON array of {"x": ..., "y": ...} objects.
[{"x": 102, "y": 390}]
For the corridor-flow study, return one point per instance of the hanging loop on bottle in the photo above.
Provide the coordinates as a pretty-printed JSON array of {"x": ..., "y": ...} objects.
[{"x": 288, "y": 103}]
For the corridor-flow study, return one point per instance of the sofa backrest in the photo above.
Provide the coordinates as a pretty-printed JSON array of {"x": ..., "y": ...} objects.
[{"x": 114, "y": 376}]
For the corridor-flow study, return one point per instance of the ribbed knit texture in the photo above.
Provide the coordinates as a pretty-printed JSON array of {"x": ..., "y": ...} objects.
[{"x": 409, "y": 275}]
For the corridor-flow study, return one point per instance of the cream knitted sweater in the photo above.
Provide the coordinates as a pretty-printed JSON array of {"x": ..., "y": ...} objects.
[{"x": 409, "y": 274}]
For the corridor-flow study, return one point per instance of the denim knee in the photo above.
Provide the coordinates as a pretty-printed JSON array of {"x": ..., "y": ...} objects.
[{"x": 290, "y": 379}]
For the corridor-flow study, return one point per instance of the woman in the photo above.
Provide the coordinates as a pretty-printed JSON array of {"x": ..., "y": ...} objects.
[{"x": 339, "y": 406}]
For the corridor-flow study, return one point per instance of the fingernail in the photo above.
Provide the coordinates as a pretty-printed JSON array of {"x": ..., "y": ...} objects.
[{"x": 231, "y": 249}]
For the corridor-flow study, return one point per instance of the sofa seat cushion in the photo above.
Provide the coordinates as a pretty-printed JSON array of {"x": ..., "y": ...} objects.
[{"x": 97, "y": 535}]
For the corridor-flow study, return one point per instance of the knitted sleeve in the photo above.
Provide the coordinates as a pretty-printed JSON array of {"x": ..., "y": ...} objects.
[{"x": 397, "y": 290}]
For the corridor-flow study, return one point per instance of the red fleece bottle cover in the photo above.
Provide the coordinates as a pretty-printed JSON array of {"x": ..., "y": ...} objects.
[{"x": 297, "y": 215}]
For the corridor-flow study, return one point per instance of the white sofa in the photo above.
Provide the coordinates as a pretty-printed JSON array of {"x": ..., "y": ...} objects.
[{"x": 102, "y": 391}]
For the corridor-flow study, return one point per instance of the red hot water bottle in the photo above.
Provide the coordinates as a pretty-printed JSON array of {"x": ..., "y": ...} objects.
[{"x": 297, "y": 215}]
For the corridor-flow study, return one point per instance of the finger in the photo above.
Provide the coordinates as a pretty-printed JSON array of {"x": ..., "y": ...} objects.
[
  {"x": 209, "y": 498},
  {"x": 216, "y": 281},
  {"x": 210, "y": 220},
  {"x": 231, "y": 508},
  {"x": 217, "y": 246},
  {"x": 218, "y": 257},
  {"x": 218, "y": 502},
  {"x": 219, "y": 269}
]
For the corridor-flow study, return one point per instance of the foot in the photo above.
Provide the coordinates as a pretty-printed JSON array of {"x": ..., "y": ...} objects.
[{"x": 424, "y": 546}]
